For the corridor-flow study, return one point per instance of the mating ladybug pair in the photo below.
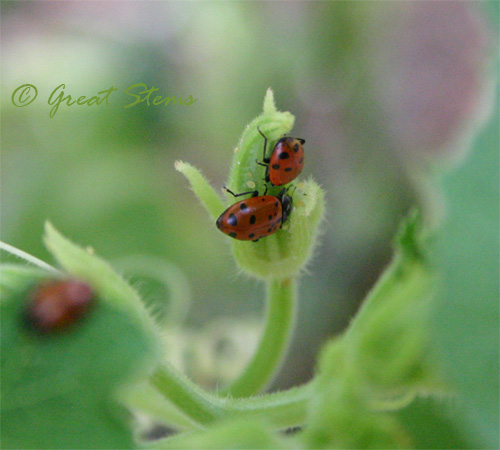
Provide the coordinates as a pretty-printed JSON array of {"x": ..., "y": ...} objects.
[{"x": 262, "y": 215}]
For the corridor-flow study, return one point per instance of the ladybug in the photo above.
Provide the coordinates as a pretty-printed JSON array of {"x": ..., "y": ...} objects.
[
  {"x": 286, "y": 161},
  {"x": 57, "y": 304},
  {"x": 255, "y": 217}
]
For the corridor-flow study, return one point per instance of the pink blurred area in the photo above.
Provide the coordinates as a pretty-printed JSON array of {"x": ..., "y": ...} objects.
[{"x": 432, "y": 78}]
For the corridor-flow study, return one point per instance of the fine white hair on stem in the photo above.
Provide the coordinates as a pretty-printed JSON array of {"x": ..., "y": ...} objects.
[{"x": 27, "y": 257}]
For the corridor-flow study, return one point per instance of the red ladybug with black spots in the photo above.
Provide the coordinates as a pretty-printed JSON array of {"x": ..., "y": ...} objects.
[
  {"x": 255, "y": 217},
  {"x": 286, "y": 161}
]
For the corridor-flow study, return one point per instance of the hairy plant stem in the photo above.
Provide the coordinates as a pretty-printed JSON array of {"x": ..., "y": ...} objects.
[
  {"x": 281, "y": 409},
  {"x": 183, "y": 399},
  {"x": 280, "y": 319}
]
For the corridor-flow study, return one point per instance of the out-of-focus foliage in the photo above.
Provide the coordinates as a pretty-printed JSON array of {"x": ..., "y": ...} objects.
[
  {"x": 467, "y": 320},
  {"x": 58, "y": 391},
  {"x": 370, "y": 84},
  {"x": 383, "y": 93}
]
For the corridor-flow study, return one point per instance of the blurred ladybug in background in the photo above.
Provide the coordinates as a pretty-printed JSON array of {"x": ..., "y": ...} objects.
[
  {"x": 255, "y": 217},
  {"x": 56, "y": 305},
  {"x": 286, "y": 161}
]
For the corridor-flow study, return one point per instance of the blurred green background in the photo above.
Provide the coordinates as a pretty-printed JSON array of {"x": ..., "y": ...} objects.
[{"x": 385, "y": 94}]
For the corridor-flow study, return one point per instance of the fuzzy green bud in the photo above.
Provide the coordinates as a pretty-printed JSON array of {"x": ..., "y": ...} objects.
[
  {"x": 339, "y": 416},
  {"x": 283, "y": 254}
]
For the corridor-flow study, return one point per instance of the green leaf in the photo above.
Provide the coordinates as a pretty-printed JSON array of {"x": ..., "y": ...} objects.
[
  {"x": 466, "y": 325},
  {"x": 58, "y": 390},
  {"x": 64, "y": 422},
  {"x": 55, "y": 386},
  {"x": 433, "y": 424},
  {"x": 82, "y": 263},
  {"x": 202, "y": 188}
]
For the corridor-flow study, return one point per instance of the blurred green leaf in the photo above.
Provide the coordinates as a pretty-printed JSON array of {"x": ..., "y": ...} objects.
[
  {"x": 432, "y": 424},
  {"x": 58, "y": 389},
  {"x": 466, "y": 325}
]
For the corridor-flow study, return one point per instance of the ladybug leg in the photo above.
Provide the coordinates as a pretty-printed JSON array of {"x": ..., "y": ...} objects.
[
  {"x": 254, "y": 240},
  {"x": 266, "y": 175},
  {"x": 254, "y": 193},
  {"x": 266, "y": 160}
]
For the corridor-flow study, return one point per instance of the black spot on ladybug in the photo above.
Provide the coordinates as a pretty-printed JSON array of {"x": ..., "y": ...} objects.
[
  {"x": 288, "y": 169},
  {"x": 284, "y": 155},
  {"x": 269, "y": 230},
  {"x": 232, "y": 220},
  {"x": 243, "y": 206},
  {"x": 276, "y": 204},
  {"x": 263, "y": 199},
  {"x": 276, "y": 166},
  {"x": 296, "y": 148},
  {"x": 270, "y": 217},
  {"x": 253, "y": 219},
  {"x": 232, "y": 234},
  {"x": 251, "y": 235}
]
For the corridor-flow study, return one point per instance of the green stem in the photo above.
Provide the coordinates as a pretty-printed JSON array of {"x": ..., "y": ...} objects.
[
  {"x": 186, "y": 395},
  {"x": 144, "y": 397},
  {"x": 282, "y": 409},
  {"x": 278, "y": 411},
  {"x": 281, "y": 300}
]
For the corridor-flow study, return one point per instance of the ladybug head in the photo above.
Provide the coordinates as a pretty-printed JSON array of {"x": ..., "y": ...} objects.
[{"x": 287, "y": 205}]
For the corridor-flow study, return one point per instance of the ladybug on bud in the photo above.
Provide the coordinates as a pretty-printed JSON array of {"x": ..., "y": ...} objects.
[
  {"x": 255, "y": 217},
  {"x": 286, "y": 160}
]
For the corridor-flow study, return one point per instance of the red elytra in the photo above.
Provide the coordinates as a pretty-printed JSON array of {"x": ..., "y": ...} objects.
[
  {"x": 286, "y": 161},
  {"x": 57, "y": 304},
  {"x": 255, "y": 217}
]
